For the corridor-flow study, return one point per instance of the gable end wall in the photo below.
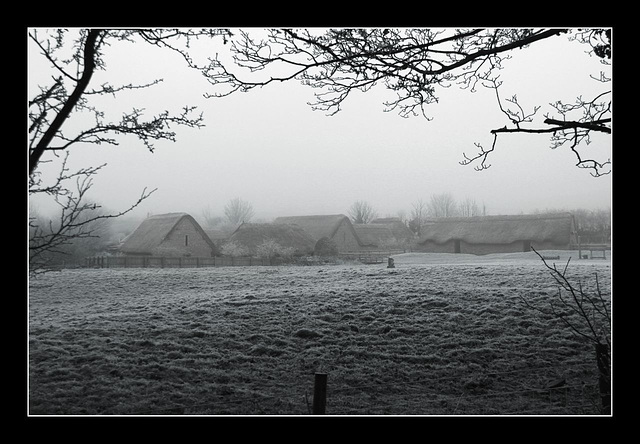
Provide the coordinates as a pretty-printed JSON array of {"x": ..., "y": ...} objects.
[
  {"x": 345, "y": 240},
  {"x": 174, "y": 244}
]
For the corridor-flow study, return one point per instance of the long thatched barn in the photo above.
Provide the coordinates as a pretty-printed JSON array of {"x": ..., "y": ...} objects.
[
  {"x": 498, "y": 234},
  {"x": 169, "y": 235}
]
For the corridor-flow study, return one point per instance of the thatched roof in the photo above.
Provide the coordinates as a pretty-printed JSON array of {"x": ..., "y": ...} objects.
[
  {"x": 400, "y": 231},
  {"x": 251, "y": 235},
  {"x": 317, "y": 226},
  {"x": 375, "y": 235},
  {"x": 386, "y": 220},
  {"x": 154, "y": 230},
  {"x": 217, "y": 235},
  {"x": 556, "y": 228}
]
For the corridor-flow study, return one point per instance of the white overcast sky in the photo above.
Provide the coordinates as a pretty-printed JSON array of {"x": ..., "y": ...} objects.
[{"x": 270, "y": 148}]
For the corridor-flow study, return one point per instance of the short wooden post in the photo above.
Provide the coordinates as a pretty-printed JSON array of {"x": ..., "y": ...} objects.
[
  {"x": 319, "y": 393},
  {"x": 390, "y": 263},
  {"x": 579, "y": 248},
  {"x": 604, "y": 380}
]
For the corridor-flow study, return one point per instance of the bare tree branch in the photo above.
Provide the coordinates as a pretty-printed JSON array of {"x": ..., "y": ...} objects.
[
  {"x": 591, "y": 320},
  {"x": 412, "y": 63},
  {"x": 76, "y": 219},
  {"x": 76, "y": 62}
]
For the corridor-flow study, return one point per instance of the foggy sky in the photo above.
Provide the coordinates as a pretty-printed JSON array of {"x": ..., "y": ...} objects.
[{"x": 269, "y": 148}]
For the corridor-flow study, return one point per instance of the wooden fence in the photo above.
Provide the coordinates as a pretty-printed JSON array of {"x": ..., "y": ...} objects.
[
  {"x": 371, "y": 257},
  {"x": 176, "y": 262}
]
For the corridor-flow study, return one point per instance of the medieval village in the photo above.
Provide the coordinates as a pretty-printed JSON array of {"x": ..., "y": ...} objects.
[{"x": 161, "y": 239}]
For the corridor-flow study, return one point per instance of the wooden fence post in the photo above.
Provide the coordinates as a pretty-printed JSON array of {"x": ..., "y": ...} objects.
[
  {"x": 319, "y": 393},
  {"x": 604, "y": 380}
]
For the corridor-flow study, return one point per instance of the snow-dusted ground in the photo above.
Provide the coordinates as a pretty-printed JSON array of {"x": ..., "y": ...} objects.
[
  {"x": 530, "y": 258},
  {"x": 438, "y": 334}
]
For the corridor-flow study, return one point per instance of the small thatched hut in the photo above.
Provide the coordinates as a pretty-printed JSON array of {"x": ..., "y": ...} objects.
[
  {"x": 498, "y": 234},
  {"x": 169, "y": 235},
  {"x": 336, "y": 227},
  {"x": 252, "y": 235}
]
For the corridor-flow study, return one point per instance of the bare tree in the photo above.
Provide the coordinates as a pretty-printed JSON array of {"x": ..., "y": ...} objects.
[
  {"x": 77, "y": 219},
  {"x": 210, "y": 220},
  {"x": 593, "y": 226},
  {"x": 402, "y": 215},
  {"x": 237, "y": 211},
  {"x": 572, "y": 124},
  {"x": 442, "y": 205},
  {"x": 75, "y": 56},
  {"x": 587, "y": 315},
  {"x": 469, "y": 208},
  {"x": 415, "y": 64},
  {"x": 54, "y": 104},
  {"x": 418, "y": 215},
  {"x": 362, "y": 212}
]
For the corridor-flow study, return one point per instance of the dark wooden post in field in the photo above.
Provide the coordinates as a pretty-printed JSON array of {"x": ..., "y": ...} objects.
[
  {"x": 604, "y": 380},
  {"x": 320, "y": 393}
]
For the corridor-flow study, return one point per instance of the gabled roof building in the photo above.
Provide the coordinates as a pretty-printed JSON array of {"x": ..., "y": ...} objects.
[
  {"x": 336, "y": 227},
  {"x": 169, "y": 235}
]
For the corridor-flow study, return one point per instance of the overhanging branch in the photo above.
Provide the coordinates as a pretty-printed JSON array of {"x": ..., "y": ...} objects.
[{"x": 560, "y": 125}]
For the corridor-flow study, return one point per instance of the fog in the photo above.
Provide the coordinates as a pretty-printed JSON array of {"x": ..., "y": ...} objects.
[{"x": 269, "y": 147}]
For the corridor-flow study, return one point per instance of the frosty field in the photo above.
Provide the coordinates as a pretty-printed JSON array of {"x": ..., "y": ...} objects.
[{"x": 437, "y": 335}]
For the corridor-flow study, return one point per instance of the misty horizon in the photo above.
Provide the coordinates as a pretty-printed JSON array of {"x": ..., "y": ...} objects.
[{"x": 269, "y": 148}]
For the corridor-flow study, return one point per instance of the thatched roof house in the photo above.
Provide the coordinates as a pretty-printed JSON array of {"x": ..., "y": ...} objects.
[
  {"x": 169, "y": 235},
  {"x": 496, "y": 234},
  {"x": 375, "y": 236},
  {"x": 401, "y": 232},
  {"x": 251, "y": 235},
  {"x": 336, "y": 227}
]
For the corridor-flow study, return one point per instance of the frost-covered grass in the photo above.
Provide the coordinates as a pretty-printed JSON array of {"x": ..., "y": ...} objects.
[{"x": 437, "y": 335}]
